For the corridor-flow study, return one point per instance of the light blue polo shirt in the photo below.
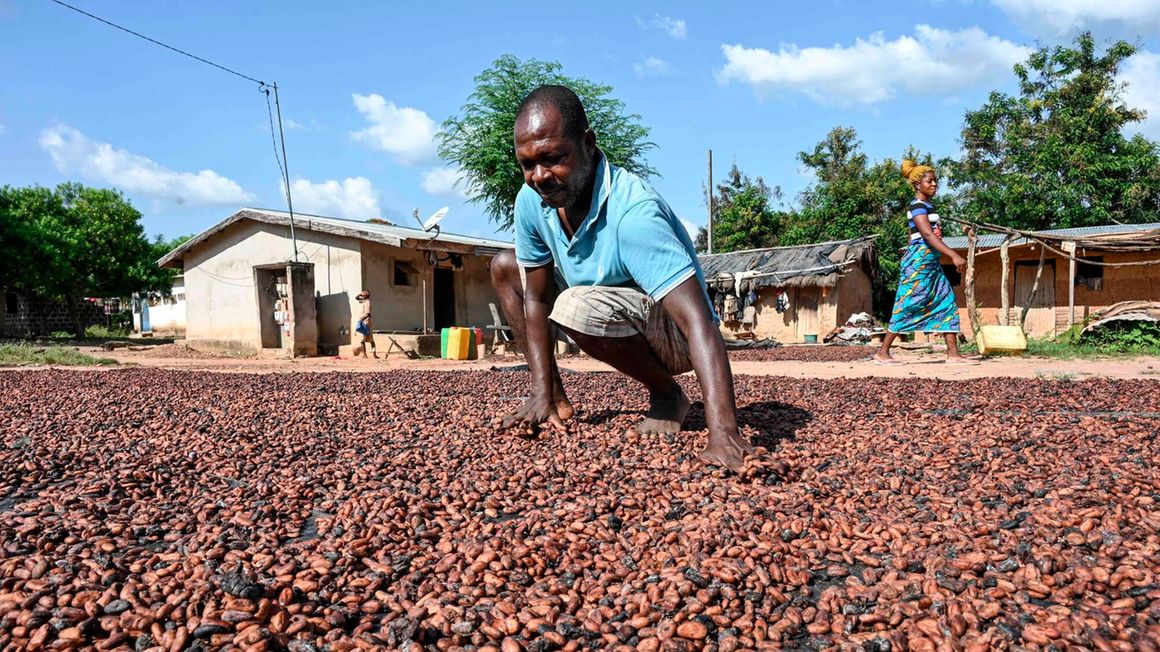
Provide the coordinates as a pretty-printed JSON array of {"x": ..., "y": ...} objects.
[{"x": 630, "y": 237}]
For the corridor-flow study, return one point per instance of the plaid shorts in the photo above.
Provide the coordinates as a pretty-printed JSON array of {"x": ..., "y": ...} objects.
[
  {"x": 623, "y": 312},
  {"x": 602, "y": 311}
]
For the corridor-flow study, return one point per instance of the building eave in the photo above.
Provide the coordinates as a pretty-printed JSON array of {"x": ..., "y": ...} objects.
[{"x": 344, "y": 228}]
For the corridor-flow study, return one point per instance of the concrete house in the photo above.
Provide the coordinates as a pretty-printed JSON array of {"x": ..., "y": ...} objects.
[
  {"x": 244, "y": 292},
  {"x": 158, "y": 315},
  {"x": 1067, "y": 293},
  {"x": 792, "y": 294}
]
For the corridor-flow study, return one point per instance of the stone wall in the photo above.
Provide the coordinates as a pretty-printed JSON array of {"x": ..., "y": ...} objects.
[{"x": 20, "y": 317}]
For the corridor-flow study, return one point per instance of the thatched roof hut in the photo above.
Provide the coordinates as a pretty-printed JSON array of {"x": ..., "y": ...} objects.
[
  {"x": 792, "y": 294},
  {"x": 812, "y": 265}
]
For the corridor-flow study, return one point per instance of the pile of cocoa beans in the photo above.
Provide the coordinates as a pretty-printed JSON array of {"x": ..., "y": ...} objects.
[
  {"x": 850, "y": 353},
  {"x": 166, "y": 510}
]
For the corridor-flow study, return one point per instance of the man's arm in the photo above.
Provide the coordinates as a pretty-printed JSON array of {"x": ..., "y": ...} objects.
[
  {"x": 686, "y": 305},
  {"x": 540, "y": 406}
]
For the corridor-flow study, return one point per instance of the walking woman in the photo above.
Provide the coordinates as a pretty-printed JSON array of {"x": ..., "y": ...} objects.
[{"x": 925, "y": 301}]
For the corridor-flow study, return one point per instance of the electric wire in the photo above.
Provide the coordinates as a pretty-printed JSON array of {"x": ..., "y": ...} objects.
[
  {"x": 156, "y": 42},
  {"x": 273, "y": 141},
  {"x": 263, "y": 88}
]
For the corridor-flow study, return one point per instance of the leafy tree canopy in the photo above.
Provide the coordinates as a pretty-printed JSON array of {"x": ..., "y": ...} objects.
[
  {"x": 73, "y": 241},
  {"x": 479, "y": 140},
  {"x": 742, "y": 215},
  {"x": 1055, "y": 155},
  {"x": 852, "y": 197}
]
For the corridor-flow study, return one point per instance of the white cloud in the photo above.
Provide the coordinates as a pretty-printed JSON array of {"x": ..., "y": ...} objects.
[
  {"x": 442, "y": 181},
  {"x": 1141, "y": 72},
  {"x": 651, "y": 67},
  {"x": 691, "y": 228},
  {"x": 933, "y": 61},
  {"x": 674, "y": 27},
  {"x": 407, "y": 133},
  {"x": 293, "y": 125},
  {"x": 1069, "y": 16},
  {"x": 73, "y": 152},
  {"x": 353, "y": 198},
  {"x": 2, "y": 129}
]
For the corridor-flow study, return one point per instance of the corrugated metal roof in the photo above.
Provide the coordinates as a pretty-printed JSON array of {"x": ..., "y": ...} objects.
[
  {"x": 991, "y": 240},
  {"x": 390, "y": 234},
  {"x": 391, "y": 230}
]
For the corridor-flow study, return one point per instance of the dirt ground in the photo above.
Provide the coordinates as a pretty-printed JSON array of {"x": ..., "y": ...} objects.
[{"x": 922, "y": 363}]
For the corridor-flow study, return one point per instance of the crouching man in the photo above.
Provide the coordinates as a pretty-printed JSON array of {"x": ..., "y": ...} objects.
[{"x": 602, "y": 256}]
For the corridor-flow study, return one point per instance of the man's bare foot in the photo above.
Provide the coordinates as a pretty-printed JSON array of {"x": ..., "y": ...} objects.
[
  {"x": 728, "y": 451},
  {"x": 666, "y": 414},
  {"x": 563, "y": 406},
  {"x": 885, "y": 359},
  {"x": 960, "y": 360}
]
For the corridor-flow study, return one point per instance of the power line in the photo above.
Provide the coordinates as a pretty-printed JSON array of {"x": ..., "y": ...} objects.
[
  {"x": 156, "y": 42},
  {"x": 263, "y": 87},
  {"x": 270, "y": 115}
]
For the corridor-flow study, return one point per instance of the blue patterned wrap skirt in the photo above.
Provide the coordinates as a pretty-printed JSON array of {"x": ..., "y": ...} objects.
[{"x": 925, "y": 301}]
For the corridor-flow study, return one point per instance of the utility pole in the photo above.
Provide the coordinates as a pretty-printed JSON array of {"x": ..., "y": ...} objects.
[
  {"x": 285, "y": 171},
  {"x": 709, "y": 239}
]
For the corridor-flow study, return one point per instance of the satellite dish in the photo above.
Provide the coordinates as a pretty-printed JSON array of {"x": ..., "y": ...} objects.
[{"x": 436, "y": 217}]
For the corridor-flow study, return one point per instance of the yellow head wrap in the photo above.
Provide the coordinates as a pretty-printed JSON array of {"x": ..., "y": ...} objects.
[{"x": 913, "y": 172}]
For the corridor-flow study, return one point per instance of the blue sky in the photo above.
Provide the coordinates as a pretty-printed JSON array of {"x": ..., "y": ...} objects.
[{"x": 366, "y": 85}]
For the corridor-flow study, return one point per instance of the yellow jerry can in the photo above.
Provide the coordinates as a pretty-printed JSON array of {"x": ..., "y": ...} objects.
[
  {"x": 459, "y": 344},
  {"x": 1001, "y": 339}
]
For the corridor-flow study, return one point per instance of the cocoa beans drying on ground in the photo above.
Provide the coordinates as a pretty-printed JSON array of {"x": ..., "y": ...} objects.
[
  {"x": 162, "y": 510},
  {"x": 811, "y": 353}
]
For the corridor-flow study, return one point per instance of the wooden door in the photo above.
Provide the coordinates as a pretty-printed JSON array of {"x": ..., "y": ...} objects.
[
  {"x": 806, "y": 313},
  {"x": 1041, "y": 315}
]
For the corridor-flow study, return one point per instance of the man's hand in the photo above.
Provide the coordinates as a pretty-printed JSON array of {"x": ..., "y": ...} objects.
[
  {"x": 533, "y": 413},
  {"x": 959, "y": 262},
  {"x": 687, "y": 305}
]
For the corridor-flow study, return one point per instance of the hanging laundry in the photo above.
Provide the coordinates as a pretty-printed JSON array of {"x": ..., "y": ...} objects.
[
  {"x": 782, "y": 302},
  {"x": 730, "y": 313},
  {"x": 749, "y": 315}
]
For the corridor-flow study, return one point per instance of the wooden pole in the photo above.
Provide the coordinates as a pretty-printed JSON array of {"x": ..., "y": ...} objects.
[
  {"x": 1069, "y": 247},
  {"x": 1034, "y": 288},
  {"x": 969, "y": 292},
  {"x": 1004, "y": 296},
  {"x": 709, "y": 239}
]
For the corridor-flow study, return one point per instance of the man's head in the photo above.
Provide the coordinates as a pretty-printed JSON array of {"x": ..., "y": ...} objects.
[{"x": 554, "y": 146}]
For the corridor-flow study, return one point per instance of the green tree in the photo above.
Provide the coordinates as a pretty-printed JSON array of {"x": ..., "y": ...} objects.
[
  {"x": 20, "y": 249},
  {"x": 1055, "y": 155},
  {"x": 148, "y": 276},
  {"x": 82, "y": 242},
  {"x": 742, "y": 215},
  {"x": 480, "y": 142},
  {"x": 850, "y": 198}
]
